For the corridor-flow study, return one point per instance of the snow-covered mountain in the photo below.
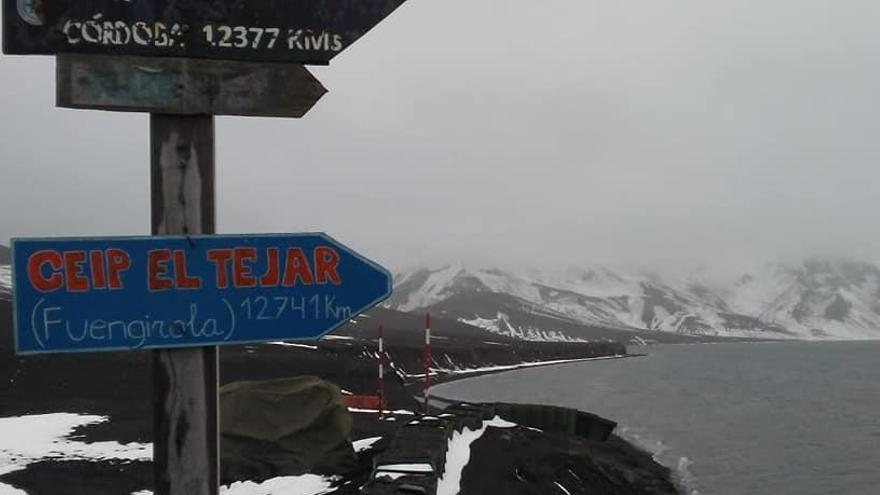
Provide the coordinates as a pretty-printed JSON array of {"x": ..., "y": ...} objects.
[{"x": 817, "y": 299}]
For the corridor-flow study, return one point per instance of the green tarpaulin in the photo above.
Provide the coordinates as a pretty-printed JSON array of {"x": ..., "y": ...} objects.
[{"x": 284, "y": 427}]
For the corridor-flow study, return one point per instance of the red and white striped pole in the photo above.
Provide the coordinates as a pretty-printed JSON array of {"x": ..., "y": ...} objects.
[
  {"x": 381, "y": 373},
  {"x": 427, "y": 359}
]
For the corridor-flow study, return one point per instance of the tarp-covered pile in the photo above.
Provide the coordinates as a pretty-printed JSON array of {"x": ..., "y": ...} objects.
[{"x": 284, "y": 427}]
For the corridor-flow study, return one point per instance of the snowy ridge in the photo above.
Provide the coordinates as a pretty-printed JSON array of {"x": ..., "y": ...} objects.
[
  {"x": 818, "y": 299},
  {"x": 502, "y": 326},
  {"x": 431, "y": 289}
]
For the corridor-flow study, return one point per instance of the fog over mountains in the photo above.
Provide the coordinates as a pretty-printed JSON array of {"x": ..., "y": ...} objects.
[{"x": 817, "y": 299}]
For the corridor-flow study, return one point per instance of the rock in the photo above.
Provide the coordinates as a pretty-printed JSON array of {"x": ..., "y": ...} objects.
[{"x": 520, "y": 461}]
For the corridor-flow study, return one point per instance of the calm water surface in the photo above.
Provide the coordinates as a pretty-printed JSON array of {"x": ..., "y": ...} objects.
[{"x": 732, "y": 419}]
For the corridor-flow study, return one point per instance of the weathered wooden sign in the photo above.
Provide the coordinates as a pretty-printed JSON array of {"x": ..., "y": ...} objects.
[
  {"x": 301, "y": 31},
  {"x": 184, "y": 86},
  {"x": 118, "y": 293}
]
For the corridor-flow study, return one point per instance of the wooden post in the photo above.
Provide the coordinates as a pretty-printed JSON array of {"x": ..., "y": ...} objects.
[
  {"x": 181, "y": 96},
  {"x": 185, "y": 390}
]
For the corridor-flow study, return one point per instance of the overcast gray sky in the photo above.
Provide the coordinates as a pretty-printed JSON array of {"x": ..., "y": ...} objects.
[{"x": 513, "y": 131}]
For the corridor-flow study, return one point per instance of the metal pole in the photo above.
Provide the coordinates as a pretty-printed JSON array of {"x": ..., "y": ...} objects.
[
  {"x": 427, "y": 359},
  {"x": 381, "y": 373},
  {"x": 185, "y": 390}
]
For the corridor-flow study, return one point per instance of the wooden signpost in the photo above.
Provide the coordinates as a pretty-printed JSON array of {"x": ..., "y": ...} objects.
[{"x": 184, "y": 61}]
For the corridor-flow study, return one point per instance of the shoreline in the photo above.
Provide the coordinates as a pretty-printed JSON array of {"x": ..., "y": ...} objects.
[
  {"x": 444, "y": 375},
  {"x": 466, "y": 374}
]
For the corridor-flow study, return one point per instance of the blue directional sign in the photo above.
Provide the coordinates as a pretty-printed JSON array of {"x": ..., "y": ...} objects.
[{"x": 125, "y": 293}]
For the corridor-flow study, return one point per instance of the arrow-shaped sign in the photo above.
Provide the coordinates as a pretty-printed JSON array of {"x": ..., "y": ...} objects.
[
  {"x": 185, "y": 86},
  {"x": 301, "y": 31},
  {"x": 121, "y": 293}
]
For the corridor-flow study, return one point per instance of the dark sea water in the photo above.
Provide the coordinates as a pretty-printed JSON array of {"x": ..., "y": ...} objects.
[{"x": 731, "y": 419}]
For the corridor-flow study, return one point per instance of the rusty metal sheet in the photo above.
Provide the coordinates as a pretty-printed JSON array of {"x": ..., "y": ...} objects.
[{"x": 300, "y": 31}]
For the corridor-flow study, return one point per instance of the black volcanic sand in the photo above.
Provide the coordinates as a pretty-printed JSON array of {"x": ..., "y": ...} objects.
[
  {"x": 118, "y": 385},
  {"x": 82, "y": 477}
]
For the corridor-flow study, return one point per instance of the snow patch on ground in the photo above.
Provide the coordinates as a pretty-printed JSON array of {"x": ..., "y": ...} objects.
[
  {"x": 374, "y": 411},
  {"x": 307, "y": 484},
  {"x": 390, "y": 475},
  {"x": 420, "y": 467},
  {"x": 458, "y": 454},
  {"x": 27, "y": 439},
  {"x": 294, "y": 344},
  {"x": 8, "y": 490},
  {"x": 364, "y": 443}
]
